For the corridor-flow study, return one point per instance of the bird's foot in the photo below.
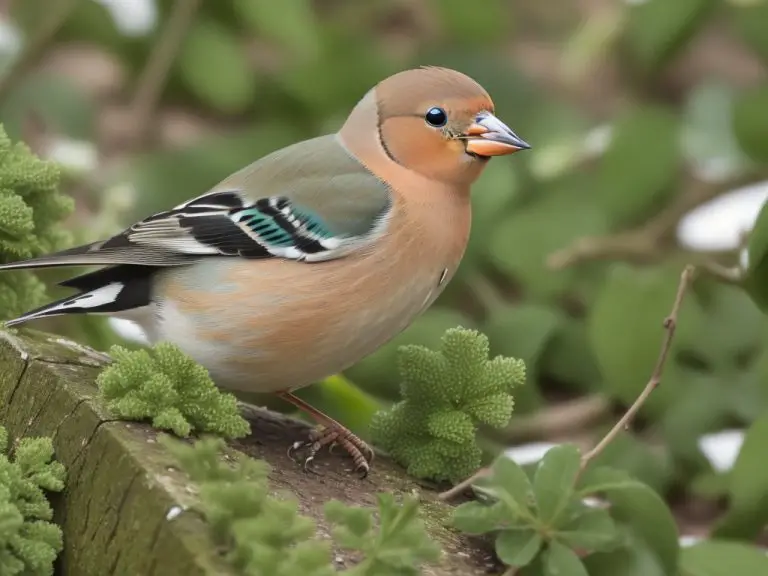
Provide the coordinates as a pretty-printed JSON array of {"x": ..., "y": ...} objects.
[{"x": 361, "y": 453}]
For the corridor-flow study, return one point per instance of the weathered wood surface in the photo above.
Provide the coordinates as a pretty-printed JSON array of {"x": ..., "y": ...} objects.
[{"x": 120, "y": 487}]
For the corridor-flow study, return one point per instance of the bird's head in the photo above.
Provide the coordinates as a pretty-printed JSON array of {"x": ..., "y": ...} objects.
[{"x": 440, "y": 123}]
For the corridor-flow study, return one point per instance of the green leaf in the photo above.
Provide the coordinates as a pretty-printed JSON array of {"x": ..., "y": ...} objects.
[
  {"x": 641, "y": 161},
  {"x": 542, "y": 227},
  {"x": 709, "y": 141},
  {"x": 593, "y": 529},
  {"x": 214, "y": 66},
  {"x": 750, "y": 122},
  {"x": 723, "y": 558},
  {"x": 651, "y": 465},
  {"x": 748, "y": 487},
  {"x": 641, "y": 508},
  {"x": 292, "y": 24},
  {"x": 569, "y": 358},
  {"x": 658, "y": 29},
  {"x": 523, "y": 331},
  {"x": 635, "y": 301},
  {"x": 476, "y": 518},
  {"x": 510, "y": 484},
  {"x": 466, "y": 25},
  {"x": 749, "y": 24},
  {"x": 61, "y": 105},
  {"x": 756, "y": 279},
  {"x": 633, "y": 559},
  {"x": 518, "y": 547},
  {"x": 555, "y": 481},
  {"x": 562, "y": 561}
]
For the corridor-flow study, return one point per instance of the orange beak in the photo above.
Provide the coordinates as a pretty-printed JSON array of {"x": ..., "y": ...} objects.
[{"x": 489, "y": 136}]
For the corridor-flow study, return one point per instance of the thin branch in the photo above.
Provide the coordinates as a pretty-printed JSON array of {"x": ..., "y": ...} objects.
[
  {"x": 645, "y": 242},
  {"x": 559, "y": 420},
  {"x": 464, "y": 484},
  {"x": 152, "y": 81},
  {"x": 670, "y": 324},
  {"x": 34, "y": 47}
]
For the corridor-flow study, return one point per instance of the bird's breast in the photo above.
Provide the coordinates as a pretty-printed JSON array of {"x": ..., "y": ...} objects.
[{"x": 270, "y": 325}]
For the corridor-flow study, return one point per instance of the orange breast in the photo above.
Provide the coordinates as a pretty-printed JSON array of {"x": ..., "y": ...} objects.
[{"x": 271, "y": 325}]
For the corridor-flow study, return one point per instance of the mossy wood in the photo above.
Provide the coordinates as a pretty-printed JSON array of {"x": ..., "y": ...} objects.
[
  {"x": 121, "y": 483},
  {"x": 119, "y": 486}
]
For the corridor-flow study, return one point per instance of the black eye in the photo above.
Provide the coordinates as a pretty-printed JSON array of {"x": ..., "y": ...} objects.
[{"x": 436, "y": 117}]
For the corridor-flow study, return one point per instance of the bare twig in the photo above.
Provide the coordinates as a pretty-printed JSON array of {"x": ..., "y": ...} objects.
[
  {"x": 670, "y": 324},
  {"x": 561, "y": 419},
  {"x": 51, "y": 22},
  {"x": 645, "y": 242},
  {"x": 464, "y": 484},
  {"x": 150, "y": 84}
]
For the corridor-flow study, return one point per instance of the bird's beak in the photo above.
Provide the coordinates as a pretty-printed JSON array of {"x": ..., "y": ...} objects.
[{"x": 489, "y": 136}]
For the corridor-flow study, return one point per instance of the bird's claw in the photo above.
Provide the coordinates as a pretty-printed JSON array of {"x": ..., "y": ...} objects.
[{"x": 361, "y": 453}]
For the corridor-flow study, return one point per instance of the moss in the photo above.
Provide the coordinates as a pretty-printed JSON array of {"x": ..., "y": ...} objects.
[
  {"x": 446, "y": 395},
  {"x": 120, "y": 488},
  {"x": 30, "y": 210},
  {"x": 167, "y": 387}
]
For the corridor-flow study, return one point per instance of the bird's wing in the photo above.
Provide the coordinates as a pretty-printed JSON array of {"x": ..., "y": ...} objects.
[{"x": 311, "y": 203}]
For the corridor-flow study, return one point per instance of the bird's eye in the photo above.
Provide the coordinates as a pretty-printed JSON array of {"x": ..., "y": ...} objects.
[{"x": 436, "y": 117}]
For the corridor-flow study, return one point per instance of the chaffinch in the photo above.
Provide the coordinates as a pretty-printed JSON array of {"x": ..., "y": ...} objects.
[{"x": 299, "y": 265}]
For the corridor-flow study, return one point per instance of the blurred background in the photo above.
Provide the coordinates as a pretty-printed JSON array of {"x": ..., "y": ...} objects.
[{"x": 649, "y": 126}]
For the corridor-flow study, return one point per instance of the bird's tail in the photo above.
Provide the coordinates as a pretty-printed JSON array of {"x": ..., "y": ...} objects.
[{"x": 105, "y": 291}]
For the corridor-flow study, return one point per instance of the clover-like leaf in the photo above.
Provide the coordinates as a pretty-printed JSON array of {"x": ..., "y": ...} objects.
[
  {"x": 593, "y": 529},
  {"x": 555, "y": 481},
  {"x": 518, "y": 547},
  {"x": 559, "y": 560}
]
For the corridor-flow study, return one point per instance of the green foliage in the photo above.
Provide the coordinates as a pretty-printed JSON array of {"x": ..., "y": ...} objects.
[
  {"x": 261, "y": 534},
  {"x": 446, "y": 394},
  {"x": 625, "y": 363},
  {"x": 253, "y": 76},
  {"x": 723, "y": 558},
  {"x": 523, "y": 332},
  {"x": 168, "y": 387},
  {"x": 399, "y": 545},
  {"x": 30, "y": 209},
  {"x": 291, "y": 25},
  {"x": 543, "y": 227},
  {"x": 378, "y": 373},
  {"x": 646, "y": 136},
  {"x": 747, "y": 487},
  {"x": 29, "y": 541},
  {"x": 211, "y": 50},
  {"x": 657, "y": 29},
  {"x": 544, "y": 522},
  {"x": 750, "y": 122},
  {"x": 756, "y": 279}
]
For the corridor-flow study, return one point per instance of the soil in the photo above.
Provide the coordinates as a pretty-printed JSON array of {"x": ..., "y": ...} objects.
[{"x": 272, "y": 434}]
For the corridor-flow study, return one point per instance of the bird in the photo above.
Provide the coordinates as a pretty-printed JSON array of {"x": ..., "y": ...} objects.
[{"x": 311, "y": 258}]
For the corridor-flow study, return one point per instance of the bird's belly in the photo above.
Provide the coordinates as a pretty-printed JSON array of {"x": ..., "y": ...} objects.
[{"x": 290, "y": 330}]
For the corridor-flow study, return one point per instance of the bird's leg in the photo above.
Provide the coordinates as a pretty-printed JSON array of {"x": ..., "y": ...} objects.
[{"x": 331, "y": 433}]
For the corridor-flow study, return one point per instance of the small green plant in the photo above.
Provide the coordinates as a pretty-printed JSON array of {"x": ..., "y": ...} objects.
[
  {"x": 545, "y": 524},
  {"x": 400, "y": 544},
  {"x": 262, "y": 534},
  {"x": 30, "y": 208},
  {"x": 165, "y": 385},
  {"x": 29, "y": 541},
  {"x": 446, "y": 394}
]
